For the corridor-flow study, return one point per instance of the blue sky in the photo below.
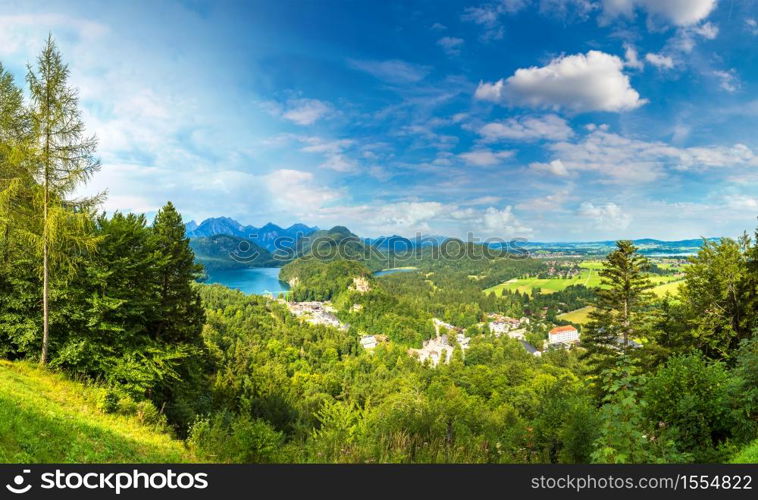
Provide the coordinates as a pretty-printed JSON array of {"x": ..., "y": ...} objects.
[{"x": 545, "y": 119}]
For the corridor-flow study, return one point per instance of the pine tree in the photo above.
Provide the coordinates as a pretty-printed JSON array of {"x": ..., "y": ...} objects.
[
  {"x": 64, "y": 159},
  {"x": 619, "y": 307},
  {"x": 181, "y": 313}
]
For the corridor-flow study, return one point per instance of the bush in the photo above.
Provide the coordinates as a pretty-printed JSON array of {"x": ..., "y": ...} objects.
[
  {"x": 107, "y": 401},
  {"x": 241, "y": 439}
]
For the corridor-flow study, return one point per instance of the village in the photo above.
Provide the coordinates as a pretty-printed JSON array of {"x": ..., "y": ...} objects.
[{"x": 447, "y": 337}]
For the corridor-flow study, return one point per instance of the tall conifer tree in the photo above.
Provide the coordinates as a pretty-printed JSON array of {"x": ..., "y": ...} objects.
[{"x": 64, "y": 159}]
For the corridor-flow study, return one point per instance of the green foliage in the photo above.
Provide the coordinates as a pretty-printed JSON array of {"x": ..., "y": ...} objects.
[
  {"x": 717, "y": 291},
  {"x": 240, "y": 439}
]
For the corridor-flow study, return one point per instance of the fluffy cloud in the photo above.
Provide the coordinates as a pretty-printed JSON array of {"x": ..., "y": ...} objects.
[
  {"x": 605, "y": 216},
  {"x": 528, "y": 128},
  {"x": 678, "y": 12},
  {"x": 728, "y": 80},
  {"x": 451, "y": 45},
  {"x": 306, "y": 111},
  {"x": 297, "y": 191},
  {"x": 659, "y": 61},
  {"x": 503, "y": 222},
  {"x": 631, "y": 58},
  {"x": 555, "y": 167},
  {"x": 625, "y": 160},
  {"x": 334, "y": 152},
  {"x": 581, "y": 82},
  {"x": 485, "y": 157},
  {"x": 742, "y": 202},
  {"x": 393, "y": 71}
]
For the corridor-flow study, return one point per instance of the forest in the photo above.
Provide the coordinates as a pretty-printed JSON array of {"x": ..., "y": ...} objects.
[{"x": 113, "y": 300}]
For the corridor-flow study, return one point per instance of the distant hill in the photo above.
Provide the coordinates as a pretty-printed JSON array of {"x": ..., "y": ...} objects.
[
  {"x": 400, "y": 244},
  {"x": 339, "y": 243},
  {"x": 222, "y": 252},
  {"x": 267, "y": 236}
]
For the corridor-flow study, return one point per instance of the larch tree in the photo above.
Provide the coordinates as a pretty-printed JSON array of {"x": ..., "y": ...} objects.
[{"x": 64, "y": 160}]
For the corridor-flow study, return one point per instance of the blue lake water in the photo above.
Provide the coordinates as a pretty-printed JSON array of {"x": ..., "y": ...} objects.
[
  {"x": 259, "y": 281},
  {"x": 395, "y": 270},
  {"x": 265, "y": 280}
]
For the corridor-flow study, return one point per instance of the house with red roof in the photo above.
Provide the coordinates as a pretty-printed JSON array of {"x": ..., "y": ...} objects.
[{"x": 563, "y": 335}]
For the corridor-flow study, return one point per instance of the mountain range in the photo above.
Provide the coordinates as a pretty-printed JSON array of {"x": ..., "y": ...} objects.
[
  {"x": 224, "y": 243},
  {"x": 267, "y": 236}
]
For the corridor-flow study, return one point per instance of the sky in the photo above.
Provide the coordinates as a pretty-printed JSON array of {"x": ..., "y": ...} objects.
[{"x": 550, "y": 120}]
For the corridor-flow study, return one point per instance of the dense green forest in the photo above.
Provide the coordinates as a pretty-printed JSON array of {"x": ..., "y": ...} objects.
[{"x": 113, "y": 300}]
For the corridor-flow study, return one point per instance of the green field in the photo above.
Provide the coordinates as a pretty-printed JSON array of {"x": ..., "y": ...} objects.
[
  {"x": 589, "y": 277},
  {"x": 45, "y": 418},
  {"x": 671, "y": 287},
  {"x": 579, "y": 316}
]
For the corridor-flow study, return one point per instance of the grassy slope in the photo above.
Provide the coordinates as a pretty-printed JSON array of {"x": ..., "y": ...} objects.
[
  {"x": 579, "y": 316},
  {"x": 46, "y": 418}
]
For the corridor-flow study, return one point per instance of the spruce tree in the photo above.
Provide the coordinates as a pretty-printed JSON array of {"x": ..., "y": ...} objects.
[
  {"x": 181, "y": 314},
  {"x": 63, "y": 160},
  {"x": 620, "y": 306}
]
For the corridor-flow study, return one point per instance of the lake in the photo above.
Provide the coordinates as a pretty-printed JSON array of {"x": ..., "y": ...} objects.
[
  {"x": 265, "y": 280},
  {"x": 259, "y": 280},
  {"x": 394, "y": 270}
]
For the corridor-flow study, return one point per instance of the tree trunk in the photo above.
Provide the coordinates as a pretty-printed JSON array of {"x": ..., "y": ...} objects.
[{"x": 45, "y": 317}]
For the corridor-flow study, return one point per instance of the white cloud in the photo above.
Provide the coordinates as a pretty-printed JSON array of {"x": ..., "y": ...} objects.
[
  {"x": 306, "y": 111},
  {"x": 528, "y": 128},
  {"x": 608, "y": 216},
  {"x": 27, "y": 32},
  {"x": 503, "y": 222},
  {"x": 451, "y": 45},
  {"x": 631, "y": 59},
  {"x": 393, "y": 71},
  {"x": 728, "y": 80},
  {"x": 485, "y": 157},
  {"x": 752, "y": 26},
  {"x": 334, "y": 152},
  {"x": 659, "y": 61},
  {"x": 629, "y": 161},
  {"x": 296, "y": 191},
  {"x": 708, "y": 30},
  {"x": 555, "y": 167},
  {"x": 678, "y": 12},
  {"x": 742, "y": 202},
  {"x": 581, "y": 82}
]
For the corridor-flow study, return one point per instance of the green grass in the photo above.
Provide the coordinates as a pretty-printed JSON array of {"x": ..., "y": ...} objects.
[
  {"x": 588, "y": 278},
  {"x": 671, "y": 287},
  {"x": 46, "y": 418},
  {"x": 747, "y": 456},
  {"x": 578, "y": 316}
]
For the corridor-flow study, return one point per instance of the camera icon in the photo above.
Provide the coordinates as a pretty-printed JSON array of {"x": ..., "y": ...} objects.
[{"x": 18, "y": 481}]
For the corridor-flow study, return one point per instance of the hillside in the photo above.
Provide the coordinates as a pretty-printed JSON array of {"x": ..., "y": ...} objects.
[
  {"x": 45, "y": 418},
  {"x": 223, "y": 252},
  {"x": 338, "y": 243}
]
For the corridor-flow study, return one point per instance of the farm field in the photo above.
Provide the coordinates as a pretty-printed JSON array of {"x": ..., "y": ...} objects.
[
  {"x": 579, "y": 316},
  {"x": 589, "y": 277}
]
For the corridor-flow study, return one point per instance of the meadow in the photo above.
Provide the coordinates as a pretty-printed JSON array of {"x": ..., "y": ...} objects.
[{"x": 48, "y": 418}]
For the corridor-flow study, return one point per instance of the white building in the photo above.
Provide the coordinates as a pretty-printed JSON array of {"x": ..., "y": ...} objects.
[
  {"x": 368, "y": 342},
  {"x": 563, "y": 335}
]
